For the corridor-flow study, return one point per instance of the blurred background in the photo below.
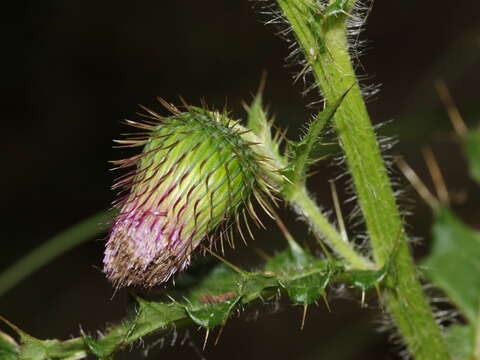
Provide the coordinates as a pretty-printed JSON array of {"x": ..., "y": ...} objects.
[{"x": 72, "y": 70}]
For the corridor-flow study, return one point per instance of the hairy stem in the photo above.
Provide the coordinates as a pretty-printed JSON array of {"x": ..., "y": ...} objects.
[
  {"x": 52, "y": 248},
  {"x": 326, "y": 47},
  {"x": 306, "y": 206},
  {"x": 296, "y": 195}
]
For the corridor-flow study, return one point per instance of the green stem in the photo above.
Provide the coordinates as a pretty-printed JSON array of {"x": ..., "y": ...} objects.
[
  {"x": 306, "y": 206},
  {"x": 52, "y": 248},
  {"x": 296, "y": 194},
  {"x": 326, "y": 48}
]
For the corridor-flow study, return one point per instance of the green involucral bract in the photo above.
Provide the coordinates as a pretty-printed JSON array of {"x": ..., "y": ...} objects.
[{"x": 197, "y": 170}]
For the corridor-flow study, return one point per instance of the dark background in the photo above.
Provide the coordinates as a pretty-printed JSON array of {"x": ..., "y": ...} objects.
[{"x": 71, "y": 70}]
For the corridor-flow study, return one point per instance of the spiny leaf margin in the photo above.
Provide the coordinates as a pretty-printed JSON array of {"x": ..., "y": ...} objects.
[{"x": 209, "y": 304}]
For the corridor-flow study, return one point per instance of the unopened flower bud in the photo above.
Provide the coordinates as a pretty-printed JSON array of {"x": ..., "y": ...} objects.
[{"x": 198, "y": 169}]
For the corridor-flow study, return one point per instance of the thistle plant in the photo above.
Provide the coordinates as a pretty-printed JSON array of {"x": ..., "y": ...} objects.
[{"x": 198, "y": 178}]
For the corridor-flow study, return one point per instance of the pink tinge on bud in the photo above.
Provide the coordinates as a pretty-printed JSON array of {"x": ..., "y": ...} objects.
[{"x": 144, "y": 249}]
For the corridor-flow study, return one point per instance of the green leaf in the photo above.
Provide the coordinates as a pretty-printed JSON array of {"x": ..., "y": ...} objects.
[
  {"x": 212, "y": 301},
  {"x": 104, "y": 349},
  {"x": 454, "y": 262},
  {"x": 154, "y": 316},
  {"x": 8, "y": 348},
  {"x": 454, "y": 266},
  {"x": 320, "y": 18},
  {"x": 214, "y": 312},
  {"x": 302, "y": 152},
  {"x": 472, "y": 148},
  {"x": 257, "y": 118},
  {"x": 35, "y": 349},
  {"x": 338, "y": 7},
  {"x": 303, "y": 276},
  {"x": 219, "y": 280},
  {"x": 255, "y": 286},
  {"x": 366, "y": 279},
  {"x": 307, "y": 289},
  {"x": 261, "y": 126},
  {"x": 460, "y": 339}
]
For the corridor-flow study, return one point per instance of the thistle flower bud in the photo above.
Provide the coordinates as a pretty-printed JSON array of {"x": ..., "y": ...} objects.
[{"x": 197, "y": 170}]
